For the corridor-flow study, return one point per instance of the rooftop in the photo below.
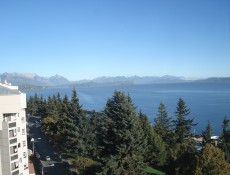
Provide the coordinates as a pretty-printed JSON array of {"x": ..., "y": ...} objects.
[{"x": 6, "y": 89}]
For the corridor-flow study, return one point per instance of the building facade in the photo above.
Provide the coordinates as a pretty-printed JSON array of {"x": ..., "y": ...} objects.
[{"x": 13, "y": 135}]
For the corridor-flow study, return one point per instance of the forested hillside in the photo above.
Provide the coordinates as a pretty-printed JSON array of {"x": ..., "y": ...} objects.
[{"x": 119, "y": 141}]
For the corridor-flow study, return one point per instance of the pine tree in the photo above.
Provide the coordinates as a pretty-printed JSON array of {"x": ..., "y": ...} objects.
[
  {"x": 225, "y": 144},
  {"x": 67, "y": 128},
  {"x": 42, "y": 107},
  {"x": 95, "y": 122},
  {"x": 81, "y": 126},
  {"x": 181, "y": 146},
  {"x": 156, "y": 153},
  {"x": 207, "y": 133},
  {"x": 123, "y": 144},
  {"x": 48, "y": 126},
  {"x": 58, "y": 102},
  {"x": 65, "y": 106},
  {"x": 162, "y": 123},
  {"x": 31, "y": 106},
  {"x": 210, "y": 161},
  {"x": 182, "y": 125},
  {"x": 52, "y": 108},
  {"x": 225, "y": 125}
]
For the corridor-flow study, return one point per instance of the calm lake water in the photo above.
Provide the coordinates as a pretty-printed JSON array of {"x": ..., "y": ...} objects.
[{"x": 207, "y": 101}]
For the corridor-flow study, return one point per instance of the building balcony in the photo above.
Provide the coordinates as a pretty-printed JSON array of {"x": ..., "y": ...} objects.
[
  {"x": 14, "y": 157},
  {"x": 15, "y": 172},
  {"x": 12, "y": 125},
  {"x": 12, "y": 133},
  {"x": 12, "y": 141},
  {"x": 9, "y": 117},
  {"x": 14, "y": 166},
  {"x": 13, "y": 149}
]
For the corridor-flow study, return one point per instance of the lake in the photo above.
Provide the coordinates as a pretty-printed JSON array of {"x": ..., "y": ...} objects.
[{"x": 207, "y": 101}]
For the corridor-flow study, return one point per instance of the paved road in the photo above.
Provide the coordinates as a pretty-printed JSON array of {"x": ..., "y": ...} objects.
[{"x": 43, "y": 148}]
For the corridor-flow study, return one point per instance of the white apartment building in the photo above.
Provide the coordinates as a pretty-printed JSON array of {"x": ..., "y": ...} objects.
[{"x": 13, "y": 136}]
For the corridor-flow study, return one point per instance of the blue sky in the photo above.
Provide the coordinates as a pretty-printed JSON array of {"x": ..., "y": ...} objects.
[{"x": 91, "y": 38}]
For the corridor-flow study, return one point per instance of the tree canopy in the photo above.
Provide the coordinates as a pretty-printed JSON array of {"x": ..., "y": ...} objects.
[{"x": 118, "y": 141}]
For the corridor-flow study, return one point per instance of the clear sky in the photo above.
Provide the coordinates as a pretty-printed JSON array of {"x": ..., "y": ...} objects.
[{"x": 82, "y": 39}]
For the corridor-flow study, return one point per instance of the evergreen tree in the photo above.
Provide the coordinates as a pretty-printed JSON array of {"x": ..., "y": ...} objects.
[
  {"x": 58, "y": 102},
  {"x": 155, "y": 154},
  {"x": 37, "y": 103},
  {"x": 225, "y": 144},
  {"x": 181, "y": 146},
  {"x": 182, "y": 125},
  {"x": 76, "y": 108},
  {"x": 52, "y": 109},
  {"x": 31, "y": 106},
  {"x": 48, "y": 126},
  {"x": 207, "y": 133},
  {"x": 225, "y": 125},
  {"x": 42, "y": 107},
  {"x": 65, "y": 106},
  {"x": 210, "y": 161},
  {"x": 95, "y": 122},
  {"x": 162, "y": 123},
  {"x": 67, "y": 128},
  {"x": 124, "y": 144},
  {"x": 58, "y": 99},
  {"x": 81, "y": 126}
]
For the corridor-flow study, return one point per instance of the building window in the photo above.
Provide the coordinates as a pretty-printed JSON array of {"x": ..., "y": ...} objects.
[
  {"x": 25, "y": 167},
  {"x": 24, "y": 143},
  {"x": 19, "y": 145},
  {"x": 24, "y": 154},
  {"x": 23, "y": 131}
]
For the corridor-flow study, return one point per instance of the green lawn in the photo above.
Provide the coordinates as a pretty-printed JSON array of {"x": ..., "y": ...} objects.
[{"x": 150, "y": 170}]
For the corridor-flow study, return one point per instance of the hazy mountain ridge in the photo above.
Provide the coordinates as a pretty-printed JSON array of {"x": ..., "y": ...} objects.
[
  {"x": 139, "y": 80},
  {"x": 32, "y": 79},
  {"x": 215, "y": 80}
]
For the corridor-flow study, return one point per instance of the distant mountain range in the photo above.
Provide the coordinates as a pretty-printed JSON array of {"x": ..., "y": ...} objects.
[
  {"x": 31, "y": 79},
  {"x": 122, "y": 80},
  {"x": 21, "y": 79}
]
